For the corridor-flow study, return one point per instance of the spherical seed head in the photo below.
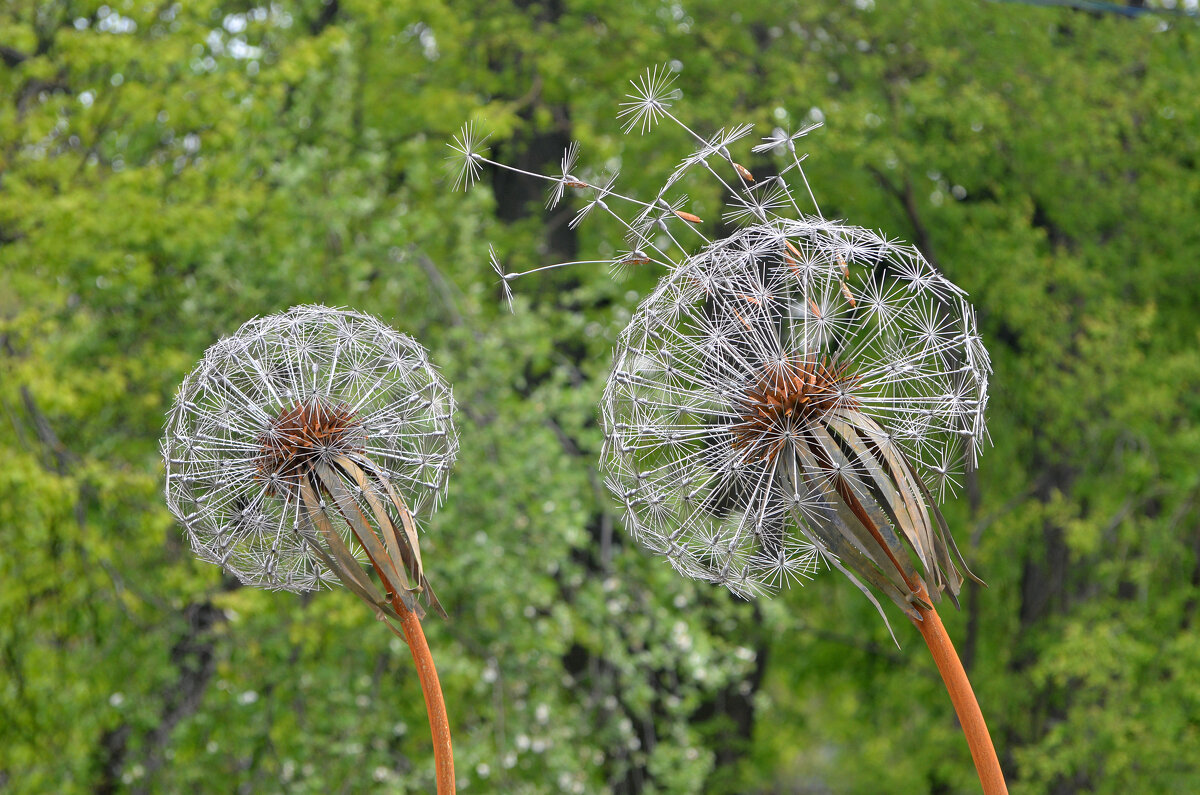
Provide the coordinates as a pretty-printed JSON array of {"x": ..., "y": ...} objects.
[
  {"x": 752, "y": 349},
  {"x": 282, "y": 394}
]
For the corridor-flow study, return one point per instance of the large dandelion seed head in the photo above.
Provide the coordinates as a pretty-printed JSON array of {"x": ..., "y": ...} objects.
[
  {"x": 285, "y": 394},
  {"x": 795, "y": 392},
  {"x": 751, "y": 359}
]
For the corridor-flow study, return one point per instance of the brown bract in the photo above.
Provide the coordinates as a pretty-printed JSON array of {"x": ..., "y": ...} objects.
[
  {"x": 303, "y": 435},
  {"x": 786, "y": 397}
]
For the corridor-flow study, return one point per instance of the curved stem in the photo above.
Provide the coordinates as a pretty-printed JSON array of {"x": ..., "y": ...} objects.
[
  {"x": 435, "y": 705},
  {"x": 963, "y": 698},
  {"x": 324, "y": 481},
  {"x": 983, "y": 753}
]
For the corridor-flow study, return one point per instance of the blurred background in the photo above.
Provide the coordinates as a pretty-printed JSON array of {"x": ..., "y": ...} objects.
[{"x": 170, "y": 169}]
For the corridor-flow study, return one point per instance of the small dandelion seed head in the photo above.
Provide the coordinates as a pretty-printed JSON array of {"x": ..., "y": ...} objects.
[
  {"x": 782, "y": 140},
  {"x": 601, "y": 190},
  {"x": 570, "y": 158},
  {"x": 566, "y": 177},
  {"x": 282, "y": 395},
  {"x": 719, "y": 142},
  {"x": 758, "y": 204}
]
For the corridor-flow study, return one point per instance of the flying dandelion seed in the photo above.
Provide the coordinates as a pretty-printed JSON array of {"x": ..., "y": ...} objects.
[
  {"x": 759, "y": 203},
  {"x": 600, "y": 192},
  {"x": 651, "y": 98},
  {"x": 504, "y": 278},
  {"x": 467, "y": 155},
  {"x": 566, "y": 178},
  {"x": 782, "y": 141}
]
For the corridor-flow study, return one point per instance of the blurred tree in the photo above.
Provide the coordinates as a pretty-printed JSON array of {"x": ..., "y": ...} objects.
[{"x": 169, "y": 170}]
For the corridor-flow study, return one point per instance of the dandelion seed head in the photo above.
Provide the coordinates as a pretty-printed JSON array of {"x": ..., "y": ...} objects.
[
  {"x": 286, "y": 393},
  {"x": 782, "y": 139},
  {"x": 600, "y": 192},
  {"x": 780, "y": 337},
  {"x": 785, "y": 388},
  {"x": 565, "y": 178}
]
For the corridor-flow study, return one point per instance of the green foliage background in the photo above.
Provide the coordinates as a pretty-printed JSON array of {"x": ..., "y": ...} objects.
[{"x": 168, "y": 170}]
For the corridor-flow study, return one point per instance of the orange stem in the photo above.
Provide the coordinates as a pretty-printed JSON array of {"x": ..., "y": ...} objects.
[
  {"x": 983, "y": 753},
  {"x": 435, "y": 705},
  {"x": 431, "y": 687},
  {"x": 963, "y": 698}
]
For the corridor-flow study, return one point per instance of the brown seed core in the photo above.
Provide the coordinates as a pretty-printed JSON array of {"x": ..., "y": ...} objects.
[
  {"x": 785, "y": 398},
  {"x": 302, "y": 434}
]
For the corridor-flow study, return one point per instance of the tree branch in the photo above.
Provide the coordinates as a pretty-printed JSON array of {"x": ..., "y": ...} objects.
[
  {"x": 12, "y": 58},
  {"x": 193, "y": 654},
  {"x": 908, "y": 200},
  {"x": 1097, "y": 7}
]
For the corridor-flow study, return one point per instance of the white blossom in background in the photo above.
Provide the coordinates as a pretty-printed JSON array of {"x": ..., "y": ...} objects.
[
  {"x": 797, "y": 391},
  {"x": 279, "y": 405}
]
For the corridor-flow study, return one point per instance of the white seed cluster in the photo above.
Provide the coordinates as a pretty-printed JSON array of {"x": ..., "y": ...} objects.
[
  {"x": 724, "y": 482},
  {"x": 306, "y": 385},
  {"x": 797, "y": 390}
]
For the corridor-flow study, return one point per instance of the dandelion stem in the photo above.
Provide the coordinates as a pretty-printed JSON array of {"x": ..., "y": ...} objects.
[
  {"x": 435, "y": 705},
  {"x": 431, "y": 686},
  {"x": 963, "y": 698},
  {"x": 954, "y": 676}
]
